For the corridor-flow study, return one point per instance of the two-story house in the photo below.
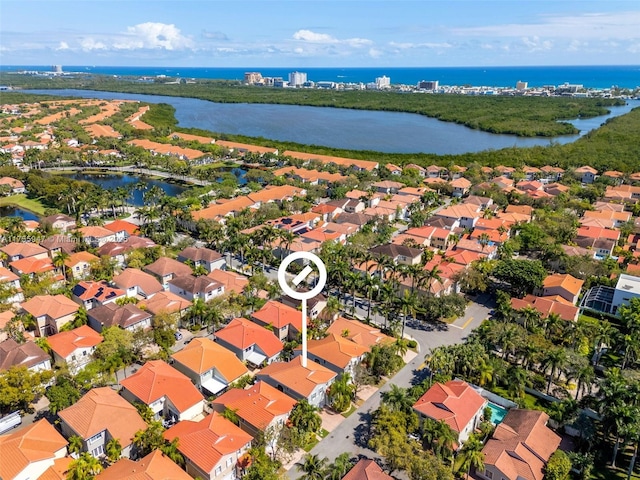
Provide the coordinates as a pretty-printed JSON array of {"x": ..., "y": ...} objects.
[
  {"x": 155, "y": 466},
  {"x": 165, "y": 269},
  {"x": 285, "y": 321},
  {"x": 205, "y": 257},
  {"x": 51, "y": 312},
  {"x": 191, "y": 287},
  {"x": 137, "y": 283},
  {"x": 10, "y": 289},
  {"x": 399, "y": 253},
  {"x": 128, "y": 317},
  {"x": 78, "y": 265},
  {"x": 250, "y": 342},
  {"x": 96, "y": 236},
  {"x": 28, "y": 354},
  {"x": 74, "y": 347},
  {"x": 335, "y": 352},
  {"x": 92, "y": 294}
]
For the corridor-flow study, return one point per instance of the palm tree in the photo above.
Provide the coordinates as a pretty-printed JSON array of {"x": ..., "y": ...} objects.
[
  {"x": 85, "y": 467},
  {"x": 75, "y": 444},
  {"x": 313, "y": 467},
  {"x": 113, "y": 450},
  {"x": 304, "y": 416},
  {"x": 472, "y": 455},
  {"x": 397, "y": 399},
  {"x": 554, "y": 360},
  {"x": 584, "y": 377},
  {"x": 341, "y": 393},
  {"x": 339, "y": 468},
  {"x": 59, "y": 261},
  {"x": 408, "y": 306}
]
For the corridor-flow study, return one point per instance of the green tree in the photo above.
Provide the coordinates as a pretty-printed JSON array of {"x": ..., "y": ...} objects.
[
  {"x": 313, "y": 467},
  {"x": 85, "y": 467},
  {"x": 75, "y": 444},
  {"x": 471, "y": 455},
  {"x": 20, "y": 387},
  {"x": 341, "y": 393},
  {"x": 113, "y": 449},
  {"x": 523, "y": 276},
  {"x": 558, "y": 466},
  {"x": 63, "y": 394},
  {"x": 150, "y": 439},
  {"x": 305, "y": 418}
]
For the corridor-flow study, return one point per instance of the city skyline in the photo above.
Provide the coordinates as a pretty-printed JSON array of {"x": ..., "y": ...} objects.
[{"x": 319, "y": 34}]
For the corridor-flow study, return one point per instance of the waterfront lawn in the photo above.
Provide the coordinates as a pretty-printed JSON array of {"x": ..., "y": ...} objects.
[{"x": 21, "y": 201}]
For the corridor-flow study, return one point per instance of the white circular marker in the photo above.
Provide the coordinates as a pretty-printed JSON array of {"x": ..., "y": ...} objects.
[{"x": 282, "y": 275}]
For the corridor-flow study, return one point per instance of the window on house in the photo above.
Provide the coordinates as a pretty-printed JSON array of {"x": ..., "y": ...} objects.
[
  {"x": 218, "y": 471},
  {"x": 488, "y": 474},
  {"x": 229, "y": 461}
]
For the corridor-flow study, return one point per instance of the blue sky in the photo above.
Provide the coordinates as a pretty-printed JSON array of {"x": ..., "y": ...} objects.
[{"x": 297, "y": 33}]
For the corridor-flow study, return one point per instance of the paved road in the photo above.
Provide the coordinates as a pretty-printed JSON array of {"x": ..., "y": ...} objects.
[{"x": 350, "y": 435}]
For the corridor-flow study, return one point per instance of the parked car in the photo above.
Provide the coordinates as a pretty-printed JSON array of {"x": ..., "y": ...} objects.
[{"x": 178, "y": 335}]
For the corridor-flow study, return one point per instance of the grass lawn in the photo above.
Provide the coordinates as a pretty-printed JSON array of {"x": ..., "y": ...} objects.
[
  {"x": 607, "y": 473},
  {"x": 312, "y": 443},
  {"x": 23, "y": 202},
  {"x": 349, "y": 412},
  {"x": 323, "y": 433},
  {"x": 530, "y": 402}
]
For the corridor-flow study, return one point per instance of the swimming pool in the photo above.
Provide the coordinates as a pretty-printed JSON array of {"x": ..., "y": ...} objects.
[{"x": 497, "y": 413}]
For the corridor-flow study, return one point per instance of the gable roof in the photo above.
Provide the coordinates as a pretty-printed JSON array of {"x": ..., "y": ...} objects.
[
  {"x": 202, "y": 354},
  {"x": 206, "y": 442},
  {"x": 279, "y": 315},
  {"x": 164, "y": 302},
  {"x": 111, "y": 314},
  {"x": 336, "y": 350},
  {"x": 54, "y": 306},
  {"x": 103, "y": 409},
  {"x": 157, "y": 379},
  {"x": 232, "y": 282},
  {"x": 521, "y": 445},
  {"x": 258, "y": 405},
  {"x": 132, "y": 277},
  {"x": 167, "y": 266},
  {"x": 366, "y": 469},
  {"x": 65, "y": 343},
  {"x": 297, "y": 378},
  {"x": 155, "y": 466},
  {"x": 26, "y": 354},
  {"x": 242, "y": 333},
  {"x": 454, "y": 402},
  {"x": 359, "y": 332},
  {"x": 33, "y": 443},
  {"x": 122, "y": 225}
]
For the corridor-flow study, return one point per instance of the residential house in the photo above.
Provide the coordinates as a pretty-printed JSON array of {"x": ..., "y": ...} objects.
[
  {"x": 551, "y": 174},
  {"x": 393, "y": 169},
  {"x": 122, "y": 229},
  {"x": 99, "y": 416},
  {"x": 137, "y": 283},
  {"x": 456, "y": 403},
  {"x": 19, "y": 250},
  {"x": 548, "y": 305},
  {"x": 209, "y": 259},
  {"x": 586, "y": 174},
  {"x": 96, "y": 236},
  {"x": 231, "y": 281},
  {"x": 359, "y": 332},
  {"x": 258, "y": 408},
  {"x": 127, "y": 316},
  {"x": 285, "y": 321},
  {"x": 460, "y": 186},
  {"x": 366, "y": 469},
  {"x": 165, "y": 269},
  {"x": 166, "y": 302},
  {"x": 212, "y": 448},
  {"x": 209, "y": 365},
  {"x": 463, "y": 215},
  {"x": 310, "y": 382},
  {"x": 74, "y": 347},
  {"x": 10, "y": 289},
  {"x": 59, "y": 243},
  {"x": 567, "y": 286},
  {"x": 167, "y": 392},
  {"x": 155, "y": 466},
  {"x": 51, "y": 312},
  {"x": 335, "y": 352},
  {"x": 422, "y": 172},
  {"x": 398, "y": 253},
  {"x": 315, "y": 304},
  {"x": 35, "y": 268},
  {"x": 520, "y": 447},
  {"x": 118, "y": 251},
  {"x": 78, "y": 265},
  {"x": 5, "y": 319},
  {"x": 250, "y": 342},
  {"x": 28, "y": 452},
  {"x": 387, "y": 186},
  {"x": 92, "y": 294},
  {"x": 191, "y": 287},
  {"x": 11, "y": 186},
  {"x": 28, "y": 354}
]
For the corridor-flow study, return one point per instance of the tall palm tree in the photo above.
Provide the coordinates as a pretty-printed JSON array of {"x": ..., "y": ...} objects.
[
  {"x": 113, "y": 449},
  {"x": 75, "y": 444},
  {"x": 472, "y": 455},
  {"x": 59, "y": 261},
  {"x": 408, "y": 305},
  {"x": 84, "y": 467},
  {"x": 554, "y": 360},
  {"x": 313, "y": 467},
  {"x": 397, "y": 399},
  {"x": 339, "y": 468},
  {"x": 341, "y": 393}
]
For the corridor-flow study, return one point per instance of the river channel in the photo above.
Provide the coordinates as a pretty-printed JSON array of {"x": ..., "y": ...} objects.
[{"x": 389, "y": 132}]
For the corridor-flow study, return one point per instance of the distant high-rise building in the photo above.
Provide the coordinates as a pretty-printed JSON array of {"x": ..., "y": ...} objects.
[
  {"x": 521, "y": 85},
  {"x": 383, "y": 82},
  {"x": 297, "y": 79},
  {"x": 253, "y": 78},
  {"x": 56, "y": 68},
  {"x": 428, "y": 85}
]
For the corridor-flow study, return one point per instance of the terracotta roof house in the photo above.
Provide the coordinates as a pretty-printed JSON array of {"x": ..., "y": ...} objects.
[
  {"x": 231, "y": 281},
  {"x": 548, "y": 305},
  {"x": 399, "y": 253},
  {"x": 520, "y": 447},
  {"x": 586, "y": 174},
  {"x": 329, "y": 160},
  {"x": 209, "y": 365},
  {"x": 387, "y": 186},
  {"x": 460, "y": 186},
  {"x": 191, "y": 287},
  {"x": 310, "y": 382},
  {"x": 13, "y": 184},
  {"x": 456, "y": 403},
  {"x": 137, "y": 283},
  {"x": 118, "y": 250},
  {"x": 97, "y": 236},
  {"x": 166, "y": 302},
  {"x": 205, "y": 257},
  {"x": 51, "y": 312},
  {"x": 122, "y": 229},
  {"x": 28, "y": 354},
  {"x": 74, "y": 347},
  {"x": 250, "y": 342},
  {"x": 165, "y": 269},
  {"x": 336, "y": 353},
  {"x": 10, "y": 289},
  {"x": 18, "y": 250},
  {"x": 566, "y": 286},
  {"x": 29, "y": 451},
  {"x": 100, "y": 415},
  {"x": 155, "y": 466},
  {"x": 58, "y": 471},
  {"x": 33, "y": 266},
  {"x": 285, "y": 321},
  {"x": 79, "y": 264},
  {"x": 258, "y": 408},
  {"x": 91, "y": 294},
  {"x": 169, "y": 393},
  {"x": 212, "y": 448},
  {"x": 366, "y": 469},
  {"x": 359, "y": 332},
  {"x": 5, "y": 318},
  {"x": 128, "y": 317},
  {"x": 57, "y": 243}
]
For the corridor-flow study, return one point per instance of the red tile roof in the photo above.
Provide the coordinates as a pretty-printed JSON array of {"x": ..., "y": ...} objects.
[
  {"x": 279, "y": 315},
  {"x": 202, "y": 354},
  {"x": 299, "y": 379},
  {"x": 258, "y": 405},
  {"x": 359, "y": 332},
  {"x": 65, "y": 343},
  {"x": 155, "y": 466},
  {"x": 454, "y": 402},
  {"x": 242, "y": 333},
  {"x": 157, "y": 379},
  {"x": 54, "y": 306},
  {"x": 366, "y": 469},
  {"x": 336, "y": 349},
  {"x": 206, "y": 442}
]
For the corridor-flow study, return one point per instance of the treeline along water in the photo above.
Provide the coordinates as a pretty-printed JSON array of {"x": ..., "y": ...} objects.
[{"x": 389, "y": 132}]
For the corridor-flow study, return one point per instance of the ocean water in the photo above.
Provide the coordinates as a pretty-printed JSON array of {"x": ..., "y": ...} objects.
[{"x": 624, "y": 76}]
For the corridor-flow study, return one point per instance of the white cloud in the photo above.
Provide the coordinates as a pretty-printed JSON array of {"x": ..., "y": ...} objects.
[
  {"x": 62, "y": 46},
  {"x": 324, "y": 39},
  {"x": 90, "y": 44},
  {"x": 534, "y": 44},
  {"x": 153, "y": 35},
  {"x": 428, "y": 45},
  {"x": 375, "y": 53}
]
